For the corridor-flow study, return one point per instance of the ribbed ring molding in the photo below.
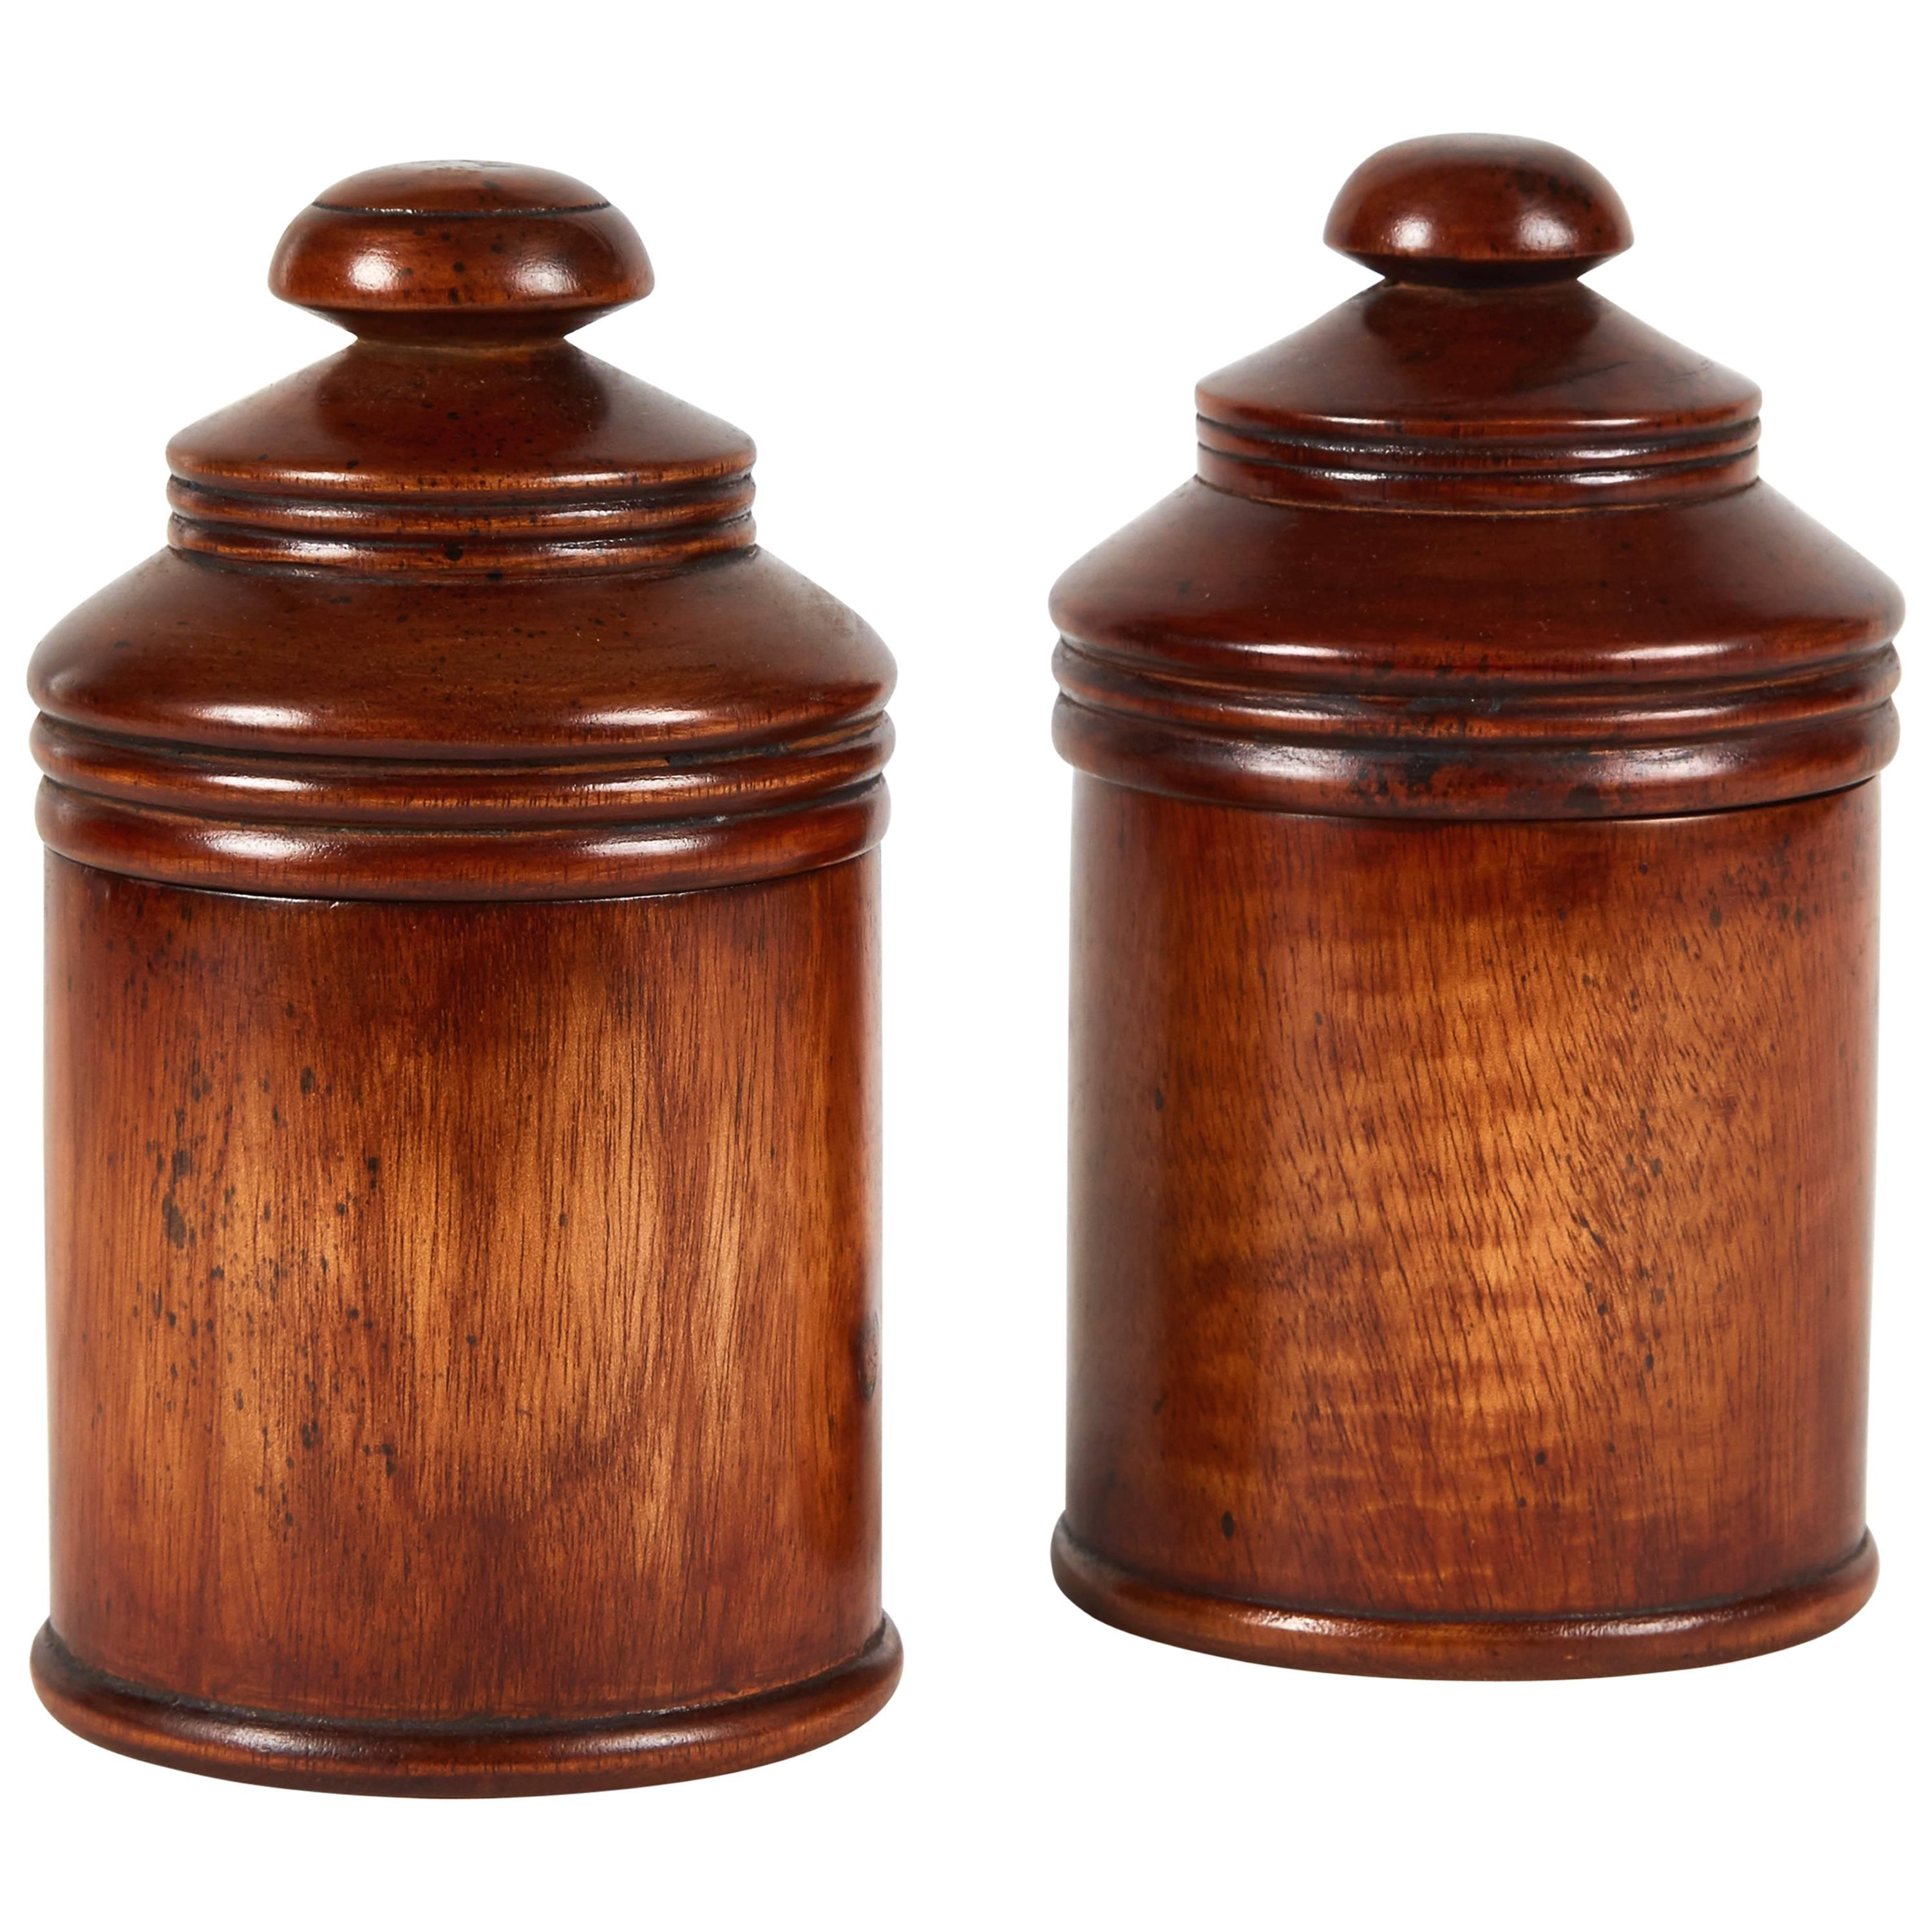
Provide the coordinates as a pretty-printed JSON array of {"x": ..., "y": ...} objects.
[
  {"x": 1414, "y": 748},
  {"x": 1375, "y": 469},
  {"x": 294, "y": 826},
  {"x": 659, "y": 528}
]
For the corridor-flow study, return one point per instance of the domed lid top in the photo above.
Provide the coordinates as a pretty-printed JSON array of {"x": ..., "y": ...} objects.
[
  {"x": 1479, "y": 373},
  {"x": 463, "y": 249},
  {"x": 1478, "y": 210}
]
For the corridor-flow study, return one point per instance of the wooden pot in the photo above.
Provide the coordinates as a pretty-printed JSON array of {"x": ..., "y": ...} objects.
[
  {"x": 1473, "y": 986},
  {"x": 462, "y": 959}
]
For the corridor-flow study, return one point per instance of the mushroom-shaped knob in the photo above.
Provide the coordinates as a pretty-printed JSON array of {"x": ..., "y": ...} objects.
[
  {"x": 1478, "y": 210},
  {"x": 460, "y": 252}
]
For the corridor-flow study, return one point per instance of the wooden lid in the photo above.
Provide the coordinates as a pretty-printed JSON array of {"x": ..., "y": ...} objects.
[
  {"x": 457, "y": 581},
  {"x": 1477, "y": 543}
]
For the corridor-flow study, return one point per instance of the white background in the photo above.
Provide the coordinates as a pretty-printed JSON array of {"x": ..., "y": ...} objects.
[{"x": 956, "y": 269}]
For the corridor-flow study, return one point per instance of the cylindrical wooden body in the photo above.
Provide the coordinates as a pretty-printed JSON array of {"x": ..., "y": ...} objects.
[
  {"x": 1470, "y": 1232},
  {"x": 464, "y": 1315}
]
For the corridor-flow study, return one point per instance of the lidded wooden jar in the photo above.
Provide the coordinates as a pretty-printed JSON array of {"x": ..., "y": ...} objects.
[
  {"x": 462, "y": 1069},
  {"x": 1475, "y": 871}
]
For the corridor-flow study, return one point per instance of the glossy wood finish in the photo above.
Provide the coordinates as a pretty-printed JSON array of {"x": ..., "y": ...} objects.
[
  {"x": 483, "y": 251},
  {"x": 463, "y": 1063},
  {"x": 1466, "y": 209},
  {"x": 426, "y": 1268},
  {"x": 1474, "y": 996},
  {"x": 1548, "y": 1299}
]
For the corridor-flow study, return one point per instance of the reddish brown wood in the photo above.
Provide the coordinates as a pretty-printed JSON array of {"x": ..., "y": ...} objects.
[
  {"x": 462, "y": 1066},
  {"x": 428, "y": 251},
  {"x": 1475, "y": 987},
  {"x": 1467, "y": 208}
]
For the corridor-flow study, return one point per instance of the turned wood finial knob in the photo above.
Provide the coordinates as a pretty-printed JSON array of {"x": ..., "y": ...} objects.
[
  {"x": 460, "y": 251},
  {"x": 1478, "y": 210}
]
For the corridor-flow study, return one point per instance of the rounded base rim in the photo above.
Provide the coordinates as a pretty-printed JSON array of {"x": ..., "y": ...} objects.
[
  {"x": 1591, "y": 1644},
  {"x": 507, "y": 1758}
]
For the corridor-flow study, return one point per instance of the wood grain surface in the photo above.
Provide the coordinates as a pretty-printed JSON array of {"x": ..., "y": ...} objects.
[
  {"x": 462, "y": 1313},
  {"x": 1460, "y": 1244}
]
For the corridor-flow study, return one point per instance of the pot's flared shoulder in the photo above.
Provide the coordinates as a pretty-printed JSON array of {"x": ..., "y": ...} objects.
[
  {"x": 1738, "y": 585},
  {"x": 743, "y": 652}
]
